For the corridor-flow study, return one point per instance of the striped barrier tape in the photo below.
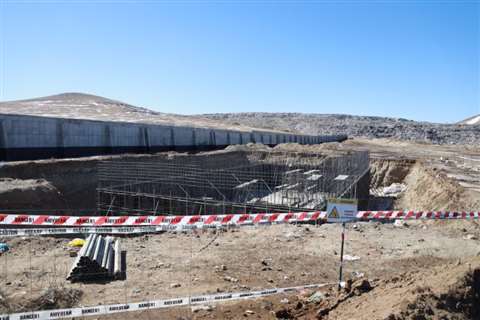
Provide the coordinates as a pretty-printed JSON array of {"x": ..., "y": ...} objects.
[
  {"x": 161, "y": 221},
  {"x": 152, "y": 304},
  {"x": 417, "y": 215},
  {"x": 362, "y": 216},
  {"x": 206, "y": 221}
]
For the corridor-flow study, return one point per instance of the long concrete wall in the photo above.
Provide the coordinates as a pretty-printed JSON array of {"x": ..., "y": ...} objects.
[{"x": 30, "y": 137}]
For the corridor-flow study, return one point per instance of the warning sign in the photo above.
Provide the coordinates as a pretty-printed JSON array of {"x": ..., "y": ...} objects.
[
  {"x": 341, "y": 210},
  {"x": 333, "y": 213}
]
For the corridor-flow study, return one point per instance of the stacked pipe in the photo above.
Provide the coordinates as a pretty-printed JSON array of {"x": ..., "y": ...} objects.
[{"x": 97, "y": 260}]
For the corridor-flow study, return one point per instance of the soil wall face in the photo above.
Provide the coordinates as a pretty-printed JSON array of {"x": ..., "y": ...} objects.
[
  {"x": 384, "y": 172},
  {"x": 429, "y": 189},
  {"x": 71, "y": 183}
]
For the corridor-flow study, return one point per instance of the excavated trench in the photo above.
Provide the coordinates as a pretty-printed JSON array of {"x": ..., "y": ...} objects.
[
  {"x": 71, "y": 183},
  {"x": 424, "y": 187},
  {"x": 383, "y": 174}
]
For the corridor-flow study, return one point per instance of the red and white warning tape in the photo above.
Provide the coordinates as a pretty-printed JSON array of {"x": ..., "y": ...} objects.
[
  {"x": 417, "y": 215},
  {"x": 152, "y": 304},
  {"x": 207, "y": 221},
  {"x": 163, "y": 221}
]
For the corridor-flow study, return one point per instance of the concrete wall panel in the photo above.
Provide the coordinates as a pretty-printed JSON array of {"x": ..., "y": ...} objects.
[
  {"x": 235, "y": 137},
  {"x": 160, "y": 136},
  {"x": 222, "y": 138},
  {"x": 33, "y": 137},
  {"x": 202, "y": 137},
  {"x": 183, "y": 136},
  {"x": 258, "y": 137}
]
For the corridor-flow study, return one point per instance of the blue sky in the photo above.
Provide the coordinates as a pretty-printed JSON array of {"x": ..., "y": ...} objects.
[{"x": 410, "y": 59}]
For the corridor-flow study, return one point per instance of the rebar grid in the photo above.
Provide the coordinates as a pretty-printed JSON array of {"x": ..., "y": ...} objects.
[{"x": 230, "y": 182}]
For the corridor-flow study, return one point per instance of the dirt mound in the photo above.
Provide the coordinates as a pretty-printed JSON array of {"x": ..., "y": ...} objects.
[
  {"x": 318, "y": 304},
  {"x": 460, "y": 302},
  {"x": 29, "y": 193},
  {"x": 426, "y": 294},
  {"x": 296, "y": 147},
  {"x": 248, "y": 147},
  {"x": 448, "y": 291},
  {"x": 50, "y": 298}
]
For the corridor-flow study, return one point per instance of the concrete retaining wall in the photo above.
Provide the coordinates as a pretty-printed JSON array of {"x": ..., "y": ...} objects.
[{"x": 31, "y": 137}]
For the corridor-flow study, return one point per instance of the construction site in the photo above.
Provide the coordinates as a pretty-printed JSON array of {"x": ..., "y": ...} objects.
[
  {"x": 262, "y": 267},
  {"x": 239, "y": 160},
  {"x": 251, "y": 182}
]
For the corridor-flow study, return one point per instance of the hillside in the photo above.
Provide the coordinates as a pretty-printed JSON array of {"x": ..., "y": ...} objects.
[
  {"x": 357, "y": 126},
  {"x": 86, "y": 106}
]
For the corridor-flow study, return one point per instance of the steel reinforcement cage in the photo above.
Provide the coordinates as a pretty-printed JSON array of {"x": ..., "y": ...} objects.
[{"x": 244, "y": 182}]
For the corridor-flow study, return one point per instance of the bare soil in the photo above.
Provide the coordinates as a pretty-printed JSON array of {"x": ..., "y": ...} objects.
[
  {"x": 451, "y": 291},
  {"x": 238, "y": 259},
  {"x": 413, "y": 270}
]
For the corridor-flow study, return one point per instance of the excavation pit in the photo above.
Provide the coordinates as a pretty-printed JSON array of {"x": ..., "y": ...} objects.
[{"x": 247, "y": 182}]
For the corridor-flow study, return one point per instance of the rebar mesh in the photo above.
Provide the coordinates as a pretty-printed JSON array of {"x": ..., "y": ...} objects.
[{"x": 231, "y": 182}]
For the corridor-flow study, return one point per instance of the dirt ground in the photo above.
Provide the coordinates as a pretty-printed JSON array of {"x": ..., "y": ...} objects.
[
  {"x": 176, "y": 265},
  {"x": 414, "y": 271}
]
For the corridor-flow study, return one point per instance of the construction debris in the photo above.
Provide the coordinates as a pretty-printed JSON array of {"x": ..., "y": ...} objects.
[
  {"x": 100, "y": 259},
  {"x": 348, "y": 257},
  {"x": 4, "y": 247},
  {"x": 77, "y": 242}
]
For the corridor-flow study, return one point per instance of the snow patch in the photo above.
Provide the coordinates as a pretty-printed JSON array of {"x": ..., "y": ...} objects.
[
  {"x": 394, "y": 190},
  {"x": 474, "y": 120}
]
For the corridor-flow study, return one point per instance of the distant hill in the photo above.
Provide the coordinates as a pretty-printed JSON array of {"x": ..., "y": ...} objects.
[
  {"x": 86, "y": 106},
  {"x": 357, "y": 126},
  {"x": 75, "y": 105},
  {"x": 475, "y": 120}
]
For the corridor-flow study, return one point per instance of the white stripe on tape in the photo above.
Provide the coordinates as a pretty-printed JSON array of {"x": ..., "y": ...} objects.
[
  {"x": 31, "y": 232},
  {"x": 152, "y": 304},
  {"x": 85, "y": 230}
]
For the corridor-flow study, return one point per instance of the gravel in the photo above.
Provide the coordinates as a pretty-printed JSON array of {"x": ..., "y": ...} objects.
[{"x": 356, "y": 126}]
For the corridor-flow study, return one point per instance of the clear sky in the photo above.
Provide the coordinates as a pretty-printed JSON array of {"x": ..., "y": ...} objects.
[{"x": 413, "y": 59}]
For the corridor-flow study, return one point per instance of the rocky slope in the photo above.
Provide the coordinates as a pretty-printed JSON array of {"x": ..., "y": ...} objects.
[{"x": 358, "y": 126}]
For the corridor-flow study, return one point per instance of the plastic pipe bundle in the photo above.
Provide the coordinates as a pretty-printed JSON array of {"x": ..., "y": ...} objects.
[{"x": 100, "y": 259}]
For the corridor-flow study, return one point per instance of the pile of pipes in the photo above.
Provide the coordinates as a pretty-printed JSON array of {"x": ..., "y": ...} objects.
[{"x": 100, "y": 259}]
